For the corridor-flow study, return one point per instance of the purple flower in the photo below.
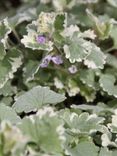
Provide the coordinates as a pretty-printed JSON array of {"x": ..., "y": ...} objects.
[
  {"x": 72, "y": 69},
  {"x": 41, "y": 39},
  {"x": 46, "y": 61},
  {"x": 57, "y": 59}
]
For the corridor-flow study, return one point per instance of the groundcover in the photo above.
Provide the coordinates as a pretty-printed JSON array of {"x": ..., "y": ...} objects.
[{"x": 58, "y": 77}]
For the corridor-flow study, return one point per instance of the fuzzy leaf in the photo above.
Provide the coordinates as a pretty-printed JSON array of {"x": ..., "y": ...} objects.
[
  {"x": 96, "y": 59},
  {"x": 80, "y": 49},
  {"x": 37, "y": 98},
  {"x": 44, "y": 132},
  {"x": 107, "y": 83},
  {"x": 84, "y": 123},
  {"x": 30, "y": 41}
]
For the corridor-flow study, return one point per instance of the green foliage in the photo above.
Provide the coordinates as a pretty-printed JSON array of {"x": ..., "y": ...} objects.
[
  {"x": 58, "y": 78},
  {"x": 37, "y": 98}
]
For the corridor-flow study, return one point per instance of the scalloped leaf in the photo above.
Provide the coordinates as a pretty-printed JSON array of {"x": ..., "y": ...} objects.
[
  {"x": 30, "y": 41},
  {"x": 80, "y": 50},
  {"x": 36, "y": 98},
  {"x": 7, "y": 113},
  {"x": 96, "y": 58},
  {"x": 107, "y": 83},
  {"x": 84, "y": 123},
  {"x": 44, "y": 131}
]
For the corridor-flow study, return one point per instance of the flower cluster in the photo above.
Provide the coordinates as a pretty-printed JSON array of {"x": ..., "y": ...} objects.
[{"x": 55, "y": 59}]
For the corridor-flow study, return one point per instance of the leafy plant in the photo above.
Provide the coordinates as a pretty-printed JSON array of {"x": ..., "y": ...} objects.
[{"x": 58, "y": 78}]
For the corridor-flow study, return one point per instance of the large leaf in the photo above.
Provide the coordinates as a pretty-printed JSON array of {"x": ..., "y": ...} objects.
[
  {"x": 36, "y": 98},
  {"x": 45, "y": 131},
  {"x": 7, "y": 113},
  {"x": 79, "y": 49}
]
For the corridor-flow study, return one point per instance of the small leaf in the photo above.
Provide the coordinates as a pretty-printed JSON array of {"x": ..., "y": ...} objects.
[{"x": 37, "y": 98}]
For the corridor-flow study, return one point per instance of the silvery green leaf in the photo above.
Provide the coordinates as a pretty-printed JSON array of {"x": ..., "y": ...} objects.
[
  {"x": 5, "y": 30},
  {"x": 107, "y": 83},
  {"x": 46, "y": 131},
  {"x": 8, "y": 114},
  {"x": 11, "y": 62},
  {"x": 8, "y": 89},
  {"x": 87, "y": 76},
  {"x": 30, "y": 69},
  {"x": 96, "y": 109},
  {"x": 95, "y": 59},
  {"x": 83, "y": 148},
  {"x": 36, "y": 98},
  {"x": 30, "y": 41},
  {"x": 7, "y": 100},
  {"x": 84, "y": 123},
  {"x": 79, "y": 49}
]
